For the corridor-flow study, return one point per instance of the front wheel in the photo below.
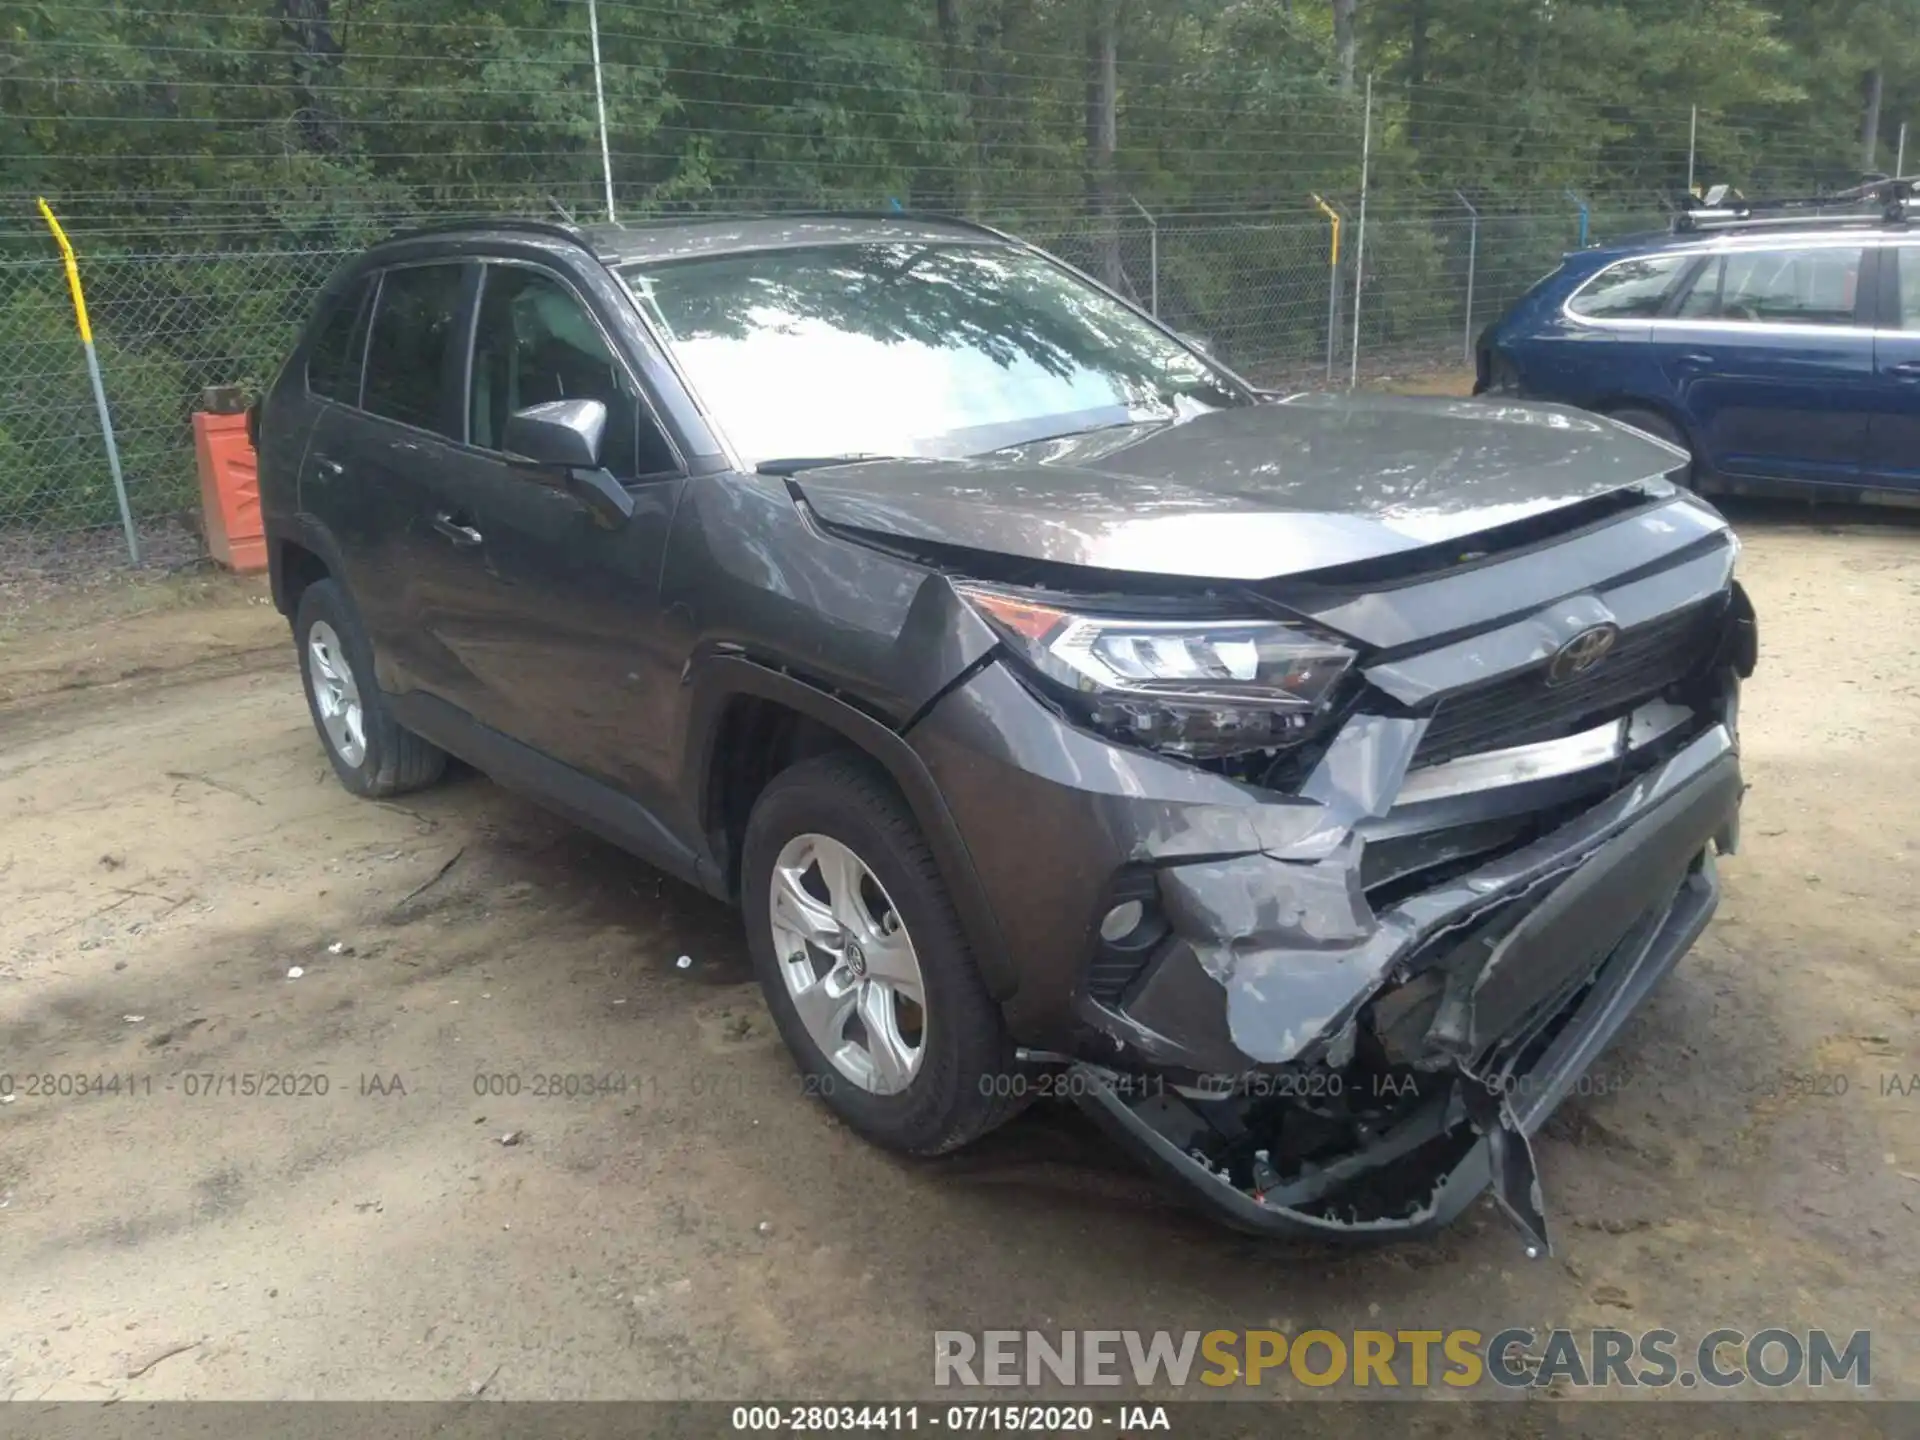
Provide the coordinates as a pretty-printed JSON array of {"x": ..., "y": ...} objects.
[{"x": 864, "y": 963}]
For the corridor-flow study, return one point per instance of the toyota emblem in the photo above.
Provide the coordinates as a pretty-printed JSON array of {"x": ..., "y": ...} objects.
[{"x": 1580, "y": 655}]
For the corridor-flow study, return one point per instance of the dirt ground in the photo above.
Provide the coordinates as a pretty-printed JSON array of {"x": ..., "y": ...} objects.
[{"x": 173, "y": 847}]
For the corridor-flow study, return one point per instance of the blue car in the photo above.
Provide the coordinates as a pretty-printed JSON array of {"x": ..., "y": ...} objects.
[{"x": 1777, "y": 355}]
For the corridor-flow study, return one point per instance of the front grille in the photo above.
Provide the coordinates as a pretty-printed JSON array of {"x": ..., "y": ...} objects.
[{"x": 1522, "y": 708}]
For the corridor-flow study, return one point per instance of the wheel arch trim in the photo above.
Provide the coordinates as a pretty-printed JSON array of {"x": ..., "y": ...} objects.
[
  {"x": 309, "y": 534},
  {"x": 720, "y": 679}
]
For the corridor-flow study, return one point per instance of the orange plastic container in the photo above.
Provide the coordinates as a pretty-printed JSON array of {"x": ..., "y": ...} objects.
[{"x": 229, "y": 491}]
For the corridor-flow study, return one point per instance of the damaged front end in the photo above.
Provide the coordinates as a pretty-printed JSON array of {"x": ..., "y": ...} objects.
[
  {"x": 1479, "y": 1005},
  {"x": 1337, "y": 992}
]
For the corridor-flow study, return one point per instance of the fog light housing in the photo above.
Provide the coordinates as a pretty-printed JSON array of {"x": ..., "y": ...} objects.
[
  {"x": 1129, "y": 931},
  {"x": 1121, "y": 921}
]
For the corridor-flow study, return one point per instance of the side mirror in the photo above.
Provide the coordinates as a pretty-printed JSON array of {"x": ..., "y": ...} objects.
[
  {"x": 606, "y": 499},
  {"x": 564, "y": 434},
  {"x": 1202, "y": 343}
]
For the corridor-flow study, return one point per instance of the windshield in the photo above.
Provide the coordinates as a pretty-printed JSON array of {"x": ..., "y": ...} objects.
[{"x": 917, "y": 349}]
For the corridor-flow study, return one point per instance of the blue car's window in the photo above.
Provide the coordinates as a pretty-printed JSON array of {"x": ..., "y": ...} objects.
[
  {"x": 1811, "y": 285},
  {"x": 1631, "y": 290},
  {"x": 1909, "y": 286}
]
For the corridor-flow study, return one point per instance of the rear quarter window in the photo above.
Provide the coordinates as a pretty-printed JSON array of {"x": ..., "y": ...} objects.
[
  {"x": 1803, "y": 285},
  {"x": 1630, "y": 290},
  {"x": 333, "y": 362}
]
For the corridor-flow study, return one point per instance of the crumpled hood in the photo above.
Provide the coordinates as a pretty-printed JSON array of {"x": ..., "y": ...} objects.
[{"x": 1253, "y": 492}]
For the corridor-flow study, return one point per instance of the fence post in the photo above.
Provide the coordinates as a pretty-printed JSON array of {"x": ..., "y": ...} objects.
[
  {"x": 1900, "y": 155},
  {"x": 1333, "y": 281},
  {"x": 93, "y": 374},
  {"x": 600, "y": 104},
  {"x": 1153, "y": 257},
  {"x": 1360, "y": 242},
  {"x": 1583, "y": 215},
  {"x": 1693, "y": 140},
  {"x": 1473, "y": 258}
]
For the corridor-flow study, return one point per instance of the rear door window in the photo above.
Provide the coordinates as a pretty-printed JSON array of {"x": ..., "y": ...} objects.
[
  {"x": 1810, "y": 285},
  {"x": 413, "y": 333},
  {"x": 333, "y": 364},
  {"x": 1632, "y": 290}
]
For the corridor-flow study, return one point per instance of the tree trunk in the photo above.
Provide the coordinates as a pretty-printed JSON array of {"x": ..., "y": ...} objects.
[
  {"x": 315, "y": 64},
  {"x": 1344, "y": 42},
  {"x": 1103, "y": 136},
  {"x": 1870, "y": 121}
]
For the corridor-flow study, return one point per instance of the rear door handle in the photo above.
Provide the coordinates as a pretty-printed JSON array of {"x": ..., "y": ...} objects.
[
  {"x": 1906, "y": 369},
  {"x": 463, "y": 535},
  {"x": 328, "y": 466},
  {"x": 1697, "y": 359}
]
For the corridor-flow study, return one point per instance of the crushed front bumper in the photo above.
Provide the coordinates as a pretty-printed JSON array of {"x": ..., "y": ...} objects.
[
  {"x": 1539, "y": 1004},
  {"x": 1277, "y": 965},
  {"x": 1587, "y": 889}
]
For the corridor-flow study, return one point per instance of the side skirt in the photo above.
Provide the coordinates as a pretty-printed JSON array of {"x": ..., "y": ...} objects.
[{"x": 589, "y": 803}]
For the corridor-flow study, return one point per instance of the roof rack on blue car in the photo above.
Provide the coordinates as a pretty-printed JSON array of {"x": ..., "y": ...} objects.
[{"x": 1879, "y": 200}]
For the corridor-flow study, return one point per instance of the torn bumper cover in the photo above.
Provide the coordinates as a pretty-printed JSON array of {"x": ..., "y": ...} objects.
[
  {"x": 1421, "y": 1051},
  {"x": 1340, "y": 995}
]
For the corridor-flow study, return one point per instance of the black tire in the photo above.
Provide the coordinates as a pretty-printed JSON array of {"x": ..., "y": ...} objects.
[
  {"x": 959, "y": 1091},
  {"x": 1661, "y": 428},
  {"x": 395, "y": 760}
]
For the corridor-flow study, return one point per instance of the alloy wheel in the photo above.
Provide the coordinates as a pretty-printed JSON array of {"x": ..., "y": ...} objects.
[
  {"x": 336, "y": 694},
  {"x": 848, "y": 963}
]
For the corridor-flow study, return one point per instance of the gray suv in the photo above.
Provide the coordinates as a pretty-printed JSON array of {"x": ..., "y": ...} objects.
[{"x": 1307, "y": 787}]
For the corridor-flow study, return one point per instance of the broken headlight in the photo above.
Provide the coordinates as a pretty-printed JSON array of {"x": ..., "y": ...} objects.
[{"x": 1192, "y": 686}]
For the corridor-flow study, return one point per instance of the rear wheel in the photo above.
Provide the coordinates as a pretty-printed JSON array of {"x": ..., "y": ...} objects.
[
  {"x": 864, "y": 963},
  {"x": 1661, "y": 428},
  {"x": 369, "y": 751}
]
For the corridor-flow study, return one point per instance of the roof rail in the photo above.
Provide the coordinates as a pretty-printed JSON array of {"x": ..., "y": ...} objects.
[
  {"x": 696, "y": 217},
  {"x": 554, "y": 228},
  {"x": 578, "y": 233},
  {"x": 1879, "y": 200}
]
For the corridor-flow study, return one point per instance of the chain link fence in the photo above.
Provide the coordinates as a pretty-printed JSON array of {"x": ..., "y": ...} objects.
[
  {"x": 166, "y": 326},
  {"x": 1261, "y": 289}
]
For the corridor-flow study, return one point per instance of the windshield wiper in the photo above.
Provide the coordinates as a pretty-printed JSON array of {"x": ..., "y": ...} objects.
[
  {"x": 794, "y": 464},
  {"x": 1130, "y": 423}
]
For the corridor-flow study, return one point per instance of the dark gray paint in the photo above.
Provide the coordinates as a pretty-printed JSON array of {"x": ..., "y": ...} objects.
[
  {"x": 1253, "y": 492},
  {"x": 1466, "y": 597}
]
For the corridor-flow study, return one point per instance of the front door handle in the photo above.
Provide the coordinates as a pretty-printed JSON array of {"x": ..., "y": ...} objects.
[
  {"x": 1697, "y": 360},
  {"x": 328, "y": 466},
  {"x": 1906, "y": 369},
  {"x": 463, "y": 535}
]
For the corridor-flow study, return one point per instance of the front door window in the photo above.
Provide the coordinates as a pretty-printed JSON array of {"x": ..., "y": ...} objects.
[{"x": 535, "y": 342}]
